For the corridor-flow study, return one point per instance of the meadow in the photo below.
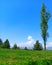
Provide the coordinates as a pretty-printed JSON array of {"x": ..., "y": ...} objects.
[{"x": 25, "y": 57}]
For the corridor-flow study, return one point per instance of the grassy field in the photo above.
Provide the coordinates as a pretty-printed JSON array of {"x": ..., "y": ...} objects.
[{"x": 25, "y": 57}]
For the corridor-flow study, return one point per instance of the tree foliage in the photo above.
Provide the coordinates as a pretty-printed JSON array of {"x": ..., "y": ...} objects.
[
  {"x": 6, "y": 44},
  {"x": 25, "y": 48},
  {"x": 37, "y": 46},
  {"x": 15, "y": 46},
  {"x": 45, "y": 16},
  {"x": 1, "y": 43}
]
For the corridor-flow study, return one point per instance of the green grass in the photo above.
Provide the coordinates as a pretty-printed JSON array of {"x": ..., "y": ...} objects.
[{"x": 25, "y": 57}]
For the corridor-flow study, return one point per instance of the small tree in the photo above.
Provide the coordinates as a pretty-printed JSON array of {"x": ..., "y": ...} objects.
[
  {"x": 45, "y": 16},
  {"x": 25, "y": 48},
  {"x": 15, "y": 47},
  {"x": 1, "y": 43},
  {"x": 6, "y": 44},
  {"x": 37, "y": 46}
]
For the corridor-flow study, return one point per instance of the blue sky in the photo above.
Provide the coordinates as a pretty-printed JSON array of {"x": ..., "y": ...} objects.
[{"x": 20, "y": 19}]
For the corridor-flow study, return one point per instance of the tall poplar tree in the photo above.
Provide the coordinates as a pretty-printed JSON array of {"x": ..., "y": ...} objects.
[{"x": 45, "y": 16}]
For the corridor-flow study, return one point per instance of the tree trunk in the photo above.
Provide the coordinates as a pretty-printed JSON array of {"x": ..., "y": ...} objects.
[{"x": 44, "y": 45}]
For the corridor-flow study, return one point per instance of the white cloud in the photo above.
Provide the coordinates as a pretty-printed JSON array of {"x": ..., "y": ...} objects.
[
  {"x": 29, "y": 38},
  {"x": 49, "y": 44},
  {"x": 29, "y": 43}
]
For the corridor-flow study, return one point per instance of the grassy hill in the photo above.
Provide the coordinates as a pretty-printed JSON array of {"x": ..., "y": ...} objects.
[{"x": 25, "y": 57}]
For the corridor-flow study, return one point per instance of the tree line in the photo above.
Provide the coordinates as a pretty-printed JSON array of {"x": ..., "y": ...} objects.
[{"x": 6, "y": 45}]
